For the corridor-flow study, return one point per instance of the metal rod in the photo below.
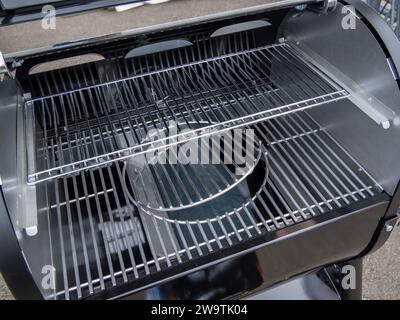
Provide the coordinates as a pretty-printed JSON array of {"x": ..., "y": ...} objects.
[{"x": 122, "y": 108}]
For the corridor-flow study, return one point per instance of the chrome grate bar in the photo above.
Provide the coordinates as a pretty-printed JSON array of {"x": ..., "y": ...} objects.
[
  {"x": 99, "y": 124},
  {"x": 309, "y": 175}
]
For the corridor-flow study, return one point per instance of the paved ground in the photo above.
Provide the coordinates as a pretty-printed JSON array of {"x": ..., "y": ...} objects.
[
  {"x": 97, "y": 23},
  {"x": 4, "y": 292},
  {"x": 381, "y": 269}
]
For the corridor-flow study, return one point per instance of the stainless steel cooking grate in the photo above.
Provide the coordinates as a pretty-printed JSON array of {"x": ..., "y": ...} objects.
[
  {"x": 163, "y": 181},
  {"x": 99, "y": 243},
  {"x": 99, "y": 124}
]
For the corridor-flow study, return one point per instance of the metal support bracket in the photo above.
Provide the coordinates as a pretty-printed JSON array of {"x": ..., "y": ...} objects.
[
  {"x": 4, "y": 71},
  {"x": 28, "y": 219},
  {"x": 384, "y": 231},
  {"x": 391, "y": 223},
  {"x": 370, "y": 105},
  {"x": 325, "y": 7},
  {"x": 329, "y": 6}
]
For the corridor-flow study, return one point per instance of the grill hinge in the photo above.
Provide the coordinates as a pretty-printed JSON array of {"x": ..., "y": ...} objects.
[
  {"x": 325, "y": 7},
  {"x": 329, "y": 6}
]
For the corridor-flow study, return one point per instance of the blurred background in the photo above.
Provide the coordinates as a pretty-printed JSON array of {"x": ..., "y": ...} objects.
[{"x": 389, "y": 10}]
